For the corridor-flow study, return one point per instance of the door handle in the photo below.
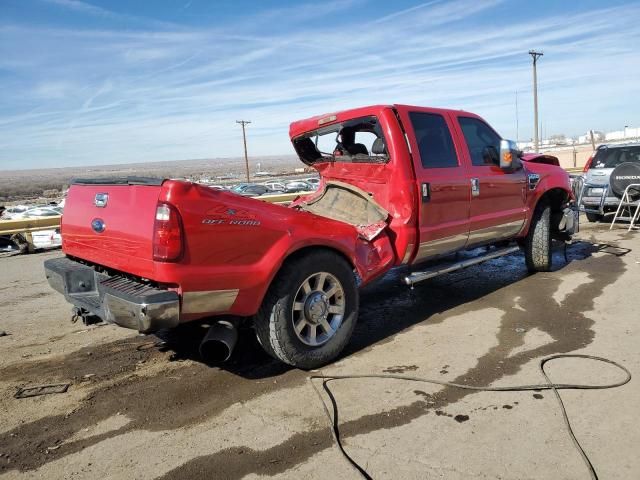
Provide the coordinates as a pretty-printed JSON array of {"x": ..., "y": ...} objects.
[
  {"x": 426, "y": 192},
  {"x": 475, "y": 187}
]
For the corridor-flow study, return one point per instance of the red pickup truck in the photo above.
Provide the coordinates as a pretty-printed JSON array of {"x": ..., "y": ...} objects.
[{"x": 400, "y": 185}]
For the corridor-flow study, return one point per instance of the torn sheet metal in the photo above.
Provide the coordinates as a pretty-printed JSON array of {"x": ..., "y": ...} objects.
[
  {"x": 346, "y": 203},
  {"x": 369, "y": 232}
]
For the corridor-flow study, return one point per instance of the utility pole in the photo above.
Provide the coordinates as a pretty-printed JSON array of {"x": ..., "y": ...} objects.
[
  {"x": 535, "y": 55},
  {"x": 244, "y": 139}
]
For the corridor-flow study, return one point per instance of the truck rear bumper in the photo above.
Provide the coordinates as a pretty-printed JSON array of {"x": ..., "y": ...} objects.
[{"x": 114, "y": 299}]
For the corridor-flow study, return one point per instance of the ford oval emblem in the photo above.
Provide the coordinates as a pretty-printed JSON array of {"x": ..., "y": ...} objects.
[{"x": 97, "y": 224}]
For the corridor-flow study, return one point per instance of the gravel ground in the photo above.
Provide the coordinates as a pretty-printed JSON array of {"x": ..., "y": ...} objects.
[{"x": 145, "y": 407}]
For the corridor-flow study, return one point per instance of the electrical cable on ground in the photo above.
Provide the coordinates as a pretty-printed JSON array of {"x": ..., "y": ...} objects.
[{"x": 333, "y": 419}]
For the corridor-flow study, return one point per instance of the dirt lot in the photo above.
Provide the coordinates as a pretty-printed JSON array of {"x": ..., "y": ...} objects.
[{"x": 139, "y": 407}]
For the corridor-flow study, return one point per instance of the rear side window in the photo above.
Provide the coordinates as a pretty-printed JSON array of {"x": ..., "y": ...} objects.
[
  {"x": 358, "y": 140},
  {"x": 612, "y": 157},
  {"x": 434, "y": 140},
  {"x": 478, "y": 135}
]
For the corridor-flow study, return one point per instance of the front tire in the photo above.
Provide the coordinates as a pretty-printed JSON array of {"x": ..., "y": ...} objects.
[
  {"x": 310, "y": 310},
  {"x": 537, "y": 245}
]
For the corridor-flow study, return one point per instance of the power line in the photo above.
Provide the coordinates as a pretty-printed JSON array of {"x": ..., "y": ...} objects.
[{"x": 244, "y": 139}]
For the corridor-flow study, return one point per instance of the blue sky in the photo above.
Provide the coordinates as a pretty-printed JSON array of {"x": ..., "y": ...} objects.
[{"x": 97, "y": 82}]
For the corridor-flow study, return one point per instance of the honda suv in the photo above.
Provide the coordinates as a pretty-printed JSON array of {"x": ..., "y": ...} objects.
[{"x": 601, "y": 191}]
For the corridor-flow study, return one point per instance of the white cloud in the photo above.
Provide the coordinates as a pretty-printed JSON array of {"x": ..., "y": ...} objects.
[{"x": 54, "y": 90}]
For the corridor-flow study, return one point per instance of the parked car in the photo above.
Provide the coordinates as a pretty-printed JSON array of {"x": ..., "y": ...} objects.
[
  {"x": 313, "y": 181},
  {"x": 45, "y": 239},
  {"x": 436, "y": 182},
  {"x": 250, "y": 189},
  {"x": 298, "y": 186},
  {"x": 38, "y": 212},
  {"x": 10, "y": 212},
  {"x": 606, "y": 174},
  {"x": 275, "y": 186}
]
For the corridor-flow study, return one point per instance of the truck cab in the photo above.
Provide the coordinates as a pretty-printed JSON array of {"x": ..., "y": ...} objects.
[{"x": 437, "y": 172}]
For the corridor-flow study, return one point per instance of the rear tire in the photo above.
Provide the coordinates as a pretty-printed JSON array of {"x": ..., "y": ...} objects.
[
  {"x": 594, "y": 217},
  {"x": 310, "y": 310},
  {"x": 537, "y": 245}
]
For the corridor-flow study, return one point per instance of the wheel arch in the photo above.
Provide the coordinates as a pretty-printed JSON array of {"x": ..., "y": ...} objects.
[
  {"x": 556, "y": 198},
  {"x": 306, "y": 250}
]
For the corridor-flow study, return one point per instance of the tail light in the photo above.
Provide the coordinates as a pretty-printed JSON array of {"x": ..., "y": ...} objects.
[
  {"x": 587, "y": 165},
  {"x": 167, "y": 234}
]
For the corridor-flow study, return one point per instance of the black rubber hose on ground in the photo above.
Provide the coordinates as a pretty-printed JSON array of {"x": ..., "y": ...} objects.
[{"x": 333, "y": 419}]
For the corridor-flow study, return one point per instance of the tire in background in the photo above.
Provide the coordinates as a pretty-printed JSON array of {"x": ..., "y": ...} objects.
[
  {"x": 594, "y": 217},
  {"x": 624, "y": 175}
]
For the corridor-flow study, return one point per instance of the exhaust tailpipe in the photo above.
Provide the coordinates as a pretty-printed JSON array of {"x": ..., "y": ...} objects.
[{"x": 219, "y": 342}]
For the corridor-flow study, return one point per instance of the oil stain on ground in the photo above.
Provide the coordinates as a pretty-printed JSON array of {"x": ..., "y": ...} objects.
[{"x": 186, "y": 396}]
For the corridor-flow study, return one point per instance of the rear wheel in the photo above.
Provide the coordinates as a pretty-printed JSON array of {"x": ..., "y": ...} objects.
[
  {"x": 594, "y": 217},
  {"x": 537, "y": 244},
  {"x": 309, "y": 313}
]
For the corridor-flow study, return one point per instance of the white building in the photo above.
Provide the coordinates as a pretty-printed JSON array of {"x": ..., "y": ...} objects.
[{"x": 627, "y": 133}]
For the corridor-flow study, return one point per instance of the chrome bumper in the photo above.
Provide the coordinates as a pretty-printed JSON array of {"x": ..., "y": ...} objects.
[
  {"x": 595, "y": 201},
  {"x": 114, "y": 299}
]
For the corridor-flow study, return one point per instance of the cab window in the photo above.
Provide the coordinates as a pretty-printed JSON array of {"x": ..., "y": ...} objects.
[
  {"x": 434, "y": 140},
  {"x": 478, "y": 136}
]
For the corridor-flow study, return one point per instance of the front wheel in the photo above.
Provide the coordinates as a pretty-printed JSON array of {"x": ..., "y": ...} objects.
[
  {"x": 537, "y": 244},
  {"x": 310, "y": 310}
]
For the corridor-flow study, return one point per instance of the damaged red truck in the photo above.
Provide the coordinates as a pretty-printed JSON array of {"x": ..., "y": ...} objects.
[{"x": 400, "y": 186}]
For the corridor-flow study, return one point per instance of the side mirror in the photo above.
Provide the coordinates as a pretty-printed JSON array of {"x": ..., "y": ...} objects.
[{"x": 509, "y": 156}]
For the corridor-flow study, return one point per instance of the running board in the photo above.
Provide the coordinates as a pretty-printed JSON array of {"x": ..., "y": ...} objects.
[{"x": 416, "y": 277}]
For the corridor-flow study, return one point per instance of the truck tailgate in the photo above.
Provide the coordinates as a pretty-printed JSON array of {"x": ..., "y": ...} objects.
[{"x": 111, "y": 223}]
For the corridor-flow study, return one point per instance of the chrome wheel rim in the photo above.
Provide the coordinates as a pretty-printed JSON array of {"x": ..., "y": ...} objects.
[{"x": 318, "y": 309}]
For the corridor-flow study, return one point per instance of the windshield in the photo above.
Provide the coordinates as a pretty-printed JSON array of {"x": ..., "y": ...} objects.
[
  {"x": 357, "y": 140},
  {"x": 611, "y": 157}
]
